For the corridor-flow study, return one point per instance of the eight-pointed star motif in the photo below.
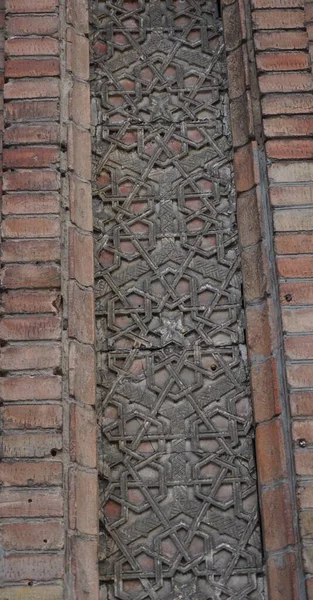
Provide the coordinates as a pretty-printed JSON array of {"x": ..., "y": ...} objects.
[{"x": 172, "y": 330}]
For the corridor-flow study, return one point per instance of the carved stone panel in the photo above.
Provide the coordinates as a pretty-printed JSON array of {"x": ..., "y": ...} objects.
[{"x": 179, "y": 517}]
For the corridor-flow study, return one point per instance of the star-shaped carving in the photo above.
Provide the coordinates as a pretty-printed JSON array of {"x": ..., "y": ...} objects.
[
  {"x": 172, "y": 330},
  {"x": 186, "y": 591}
]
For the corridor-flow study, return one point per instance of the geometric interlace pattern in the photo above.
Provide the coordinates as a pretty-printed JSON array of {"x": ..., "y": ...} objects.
[{"x": 178, "y": 514}]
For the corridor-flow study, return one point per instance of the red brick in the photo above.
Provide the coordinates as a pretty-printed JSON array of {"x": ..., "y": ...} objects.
[
  {"x": 31, "y": 503},
  {"x": 303, "y": 462},
  {"x": 79, "y": 152},
  {"x": 31, "y": 387},
  {"x": 258, "y": 333},
  {"x": 37, "y": 25},
  {"x": 232, "y": 26},
  {"x": 273, "y": 3},
  {"x": 304, "y": 494},
  {"x": 37, "y": 356},
  {"x": 299, "y": 347},
  {"x": 45, "y": 133},
  {"x": 85, "y": 568},
  {"x": 287, "y": 104},
  {"x": 300, "y": 375},
  {"x": 83, "y": 508},
  {"x": 295, "y": 266},
  {"x": 30, "y": 445},
  {"x": 37, "y": 180},
  {"x": 31, "y": 276},
  {"x": 309, "y": 588},
  {"x": 282, "y": 61},
  {"x": 289, "y": 149},
  {"x": 32, "y": 47},
  {"x": 294, "y": 244},
  {"x": 31, "y": 227},
  {"x": 77, "y": 54},
  {"x": 288, "y": 126},
  {"x": 77, "y": 15},
  {"x": 32, "y": 416},
  {"x": 46, "y": 535},
  {"x": 81, "y": 257},
  {"x": 80, "y": 203},
  {"x": 82, "y": 373},
  {"x": 306, "y": 524},
  {"x": 278, "y": 532},
  {"x": 270, "y": 449},
  {"x": 282, "y": 577},
  {"x": 243, "y": 167},
  {"x": 280, "y": 40},
  {"x": 38, "y": 592},
  {"x": 286, "y": 172},
  {"x": 31, "y": 302},
  {"x": 296, "y": 293},
  {"x": 307, "y": 555},
  {"x": 31, "y": 6},
  {"x": 80, "y": 103},
  {"x": 301, "y": 403},
  {"x": 48, "y": 88},
  {"x": 236, "y": 74},
  {"x": 30, "y": 328},
  {"x": 248, "y": 219},
  {"x": 32, "y": 67},
  {"x": 30, "y": 250},
  {"x": 27, "y": 204},
  {"x": 31, "y": 156},
  {"x": 253, "y": 273},
  {"x": 81, "y": 302},
  {"x": 303, "y": 430},
  {"x": 31, "y": 473},
  {"x": 83, "y": 436},
  {"x": 35, "y": 567},
  {"x": 285, "y": 82},
  {"x": 278, "y": 19},
  {"x": 291, "y": 195},
  {"x": 32, "y": 110},
  {"x": 265, "y": 390}
]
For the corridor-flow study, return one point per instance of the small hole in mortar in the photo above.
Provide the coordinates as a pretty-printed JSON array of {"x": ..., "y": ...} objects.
[
  {"x": 53, "y": 452},
  {"x": 45, "y": 541}
]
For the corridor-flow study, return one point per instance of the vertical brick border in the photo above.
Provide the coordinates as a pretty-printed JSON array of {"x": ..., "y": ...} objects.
[{"x": 274, "y": 452}]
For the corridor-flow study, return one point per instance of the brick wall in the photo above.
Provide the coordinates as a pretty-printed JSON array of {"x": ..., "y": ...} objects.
[{"x": 47, "y": 385}]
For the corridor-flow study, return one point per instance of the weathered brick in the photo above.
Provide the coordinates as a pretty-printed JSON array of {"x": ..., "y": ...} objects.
[
  {"x": 303, "y": 462},
  {"x": 299, "y": 347},
  {"x": 36, "y": 567},
  {"x": 77, "y": 15},
  {"x": 291, "y": 195},
  {"x": 36, "y": 25},
  {"x": 31, "y": 227},
  {"x": 46, "y": 535},
  {"x": 279, "y": 532},
  {"x": 31, "y": 6},
  {"x": 282, "y": 577},
  {"x": 287, "y": 126},
  {"x": 295, "y": 266},
  {"x": 287, "y": 104},
  {"x": 85, "y": 568},
  {"x": 32, "y": 67},
  {"x": 83, "y": 508},
  {"x": 80, "y": 103},
  {"x": 28, "y": 204},
  {"x": 77, "y": 54},
  {"x": 44, "y": 46},
  {"x": 289, "y": 149},
  {"x": 282, "y": 61},
  {"x": 48, "y": 88},
  {"x": 232, "y": 26},
  {"x": 39, "y": 592},
  {"x": 37, "y": 180},
  {"x": 83, "y": 435},
  {"x": 31, "y": 302},
  {"x": 304, "y": 494},
  {"x": 31, "y": 503},
  {"x": 29, "y": 157},
  {"x": 31, "y": 110},
  {"x": 294, "y": 243},
  {"x": 258, "y": 332},
  {"x": 286, "y": 172},
  {"x": 80, "y": 203},
  {"x": 37, "y": 356},
  {"x": 280, "y": 40},
  {"x": 82, "y": 372},
  {"x": 81, "y": 302},
  {"x": 248, "y": 218},
  {"x": 236, "y": 74},
  {"x": 31, "y": 387},
  {"x": 243, "y": 167},
  {"x": 303, "y": 430},
  {"x": 301, "y": 403},
  {"x": 30, "y": 416},
  {"x": 296, "y": 293},
  {"x": 30, "y": 250},
  {"x": 45, "y": 133},
  {"x": 307, "y": 554},
  {"x": 265, "y": 393},
  {"x": 79, "y": 152},
  {"x": 298, "y": 320},
  {"x": 30, "y": 328},
  {"x": 81, "y": 257},
  {"x": 253, "y": 273},
  {"x": 285, "y": 82},
  {"x": 30, "y": 445},
  {"x": 239, "y": 122},
  {"x": 270, "y": 448},
  {"x": 278, "y": 19},
  {"x": 300, "y": 375},
  {"x": 30, "y": 473},
  {"x": 31, "y": 276},
  {"x": 273, "y": 4}
]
